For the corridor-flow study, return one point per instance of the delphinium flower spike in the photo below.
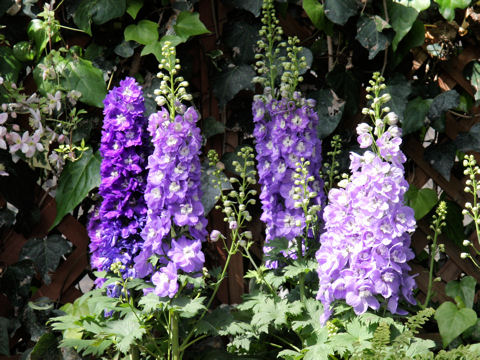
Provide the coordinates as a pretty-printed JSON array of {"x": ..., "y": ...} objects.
[
  {"x": 285, "y": 132},
  {"x": 366, "y": 244},
  {"x": 115, "y": 227},
  {"x": 175, "y": 226}
]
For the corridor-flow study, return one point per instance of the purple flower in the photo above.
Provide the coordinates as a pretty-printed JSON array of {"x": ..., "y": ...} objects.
[
  {"x": 165, "y": 281},
  {"x": 115, "y": 227},
  {"x": 187, "y": 254},
  {"x": 285, "y": 132},
  {"x": 365, "y": 246}
]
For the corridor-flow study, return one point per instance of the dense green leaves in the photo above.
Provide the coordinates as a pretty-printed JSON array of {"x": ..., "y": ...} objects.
[
  {"x": 97, "y": 12},
  {"x": 453, "y": 321},
  {"x": 45, "y": 253},
  {"x": 399, "y": 89},
  {"x": 144, "y": 32},
  {"x": 76, "y": 181},
  {"x": 447, "y": 7},
  {"x": 231, "y": 81},
  {"x": 420, "y": 200},
  {"x": 339, "y": 11},
  {"x": 133, "y": 7},
  {"x": 9, "y": 66},
  {"x": 441, "y": 103},
  {"x": 46, "y": 348},
  {"x": 418, "y": 5},
  {"x": 463, "y": 291},
  {"x": 23, "y": 51},
  {"x": 242, "y": 38}
]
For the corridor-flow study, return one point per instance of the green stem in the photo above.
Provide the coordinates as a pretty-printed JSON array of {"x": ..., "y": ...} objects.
[
  {"x": 286, "y": 342},
  {"x": 249, "y": 256},
  {"x": 433, "y": 251},
  {"x": 174, "y": 335},
  {"x": 301, "y": 283},
  {"x": 231, "y": 251}
]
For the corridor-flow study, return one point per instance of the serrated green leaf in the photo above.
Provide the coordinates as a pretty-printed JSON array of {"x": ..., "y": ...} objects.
[
  {"x": 452, "y": 321},
  {"x": 402, "y": 19},
  {"x": 441, "y": 157},
  {"x": 369, "y": 36},
  {"x": 133, "y": 7},
  {"x": 228, "y": 83},
  {"x": 254, "y": 6},
  {"x": 339, "y": 11},
  {"x": 126, "y": 331},
  {"x": 465, "y": 289},
  {"x": 314, "y": 10},
  {"x": 329, "y": 108},
  {"x": 150, "y": 302},
  {"x": 76, "y": 181},
  {"x": 188, "y": 307},
  {"x": 145, "y": 32},
  {"x": 241, "y": 37},
  {"x": 420, "y": 200},
  {"x": 45, "y": 253},
  {"x": 188, "y": 24},
  {"x": 415, "y": 114},
  {"x": 97, "y": 12},
  {"x": 447, "y": 7}
]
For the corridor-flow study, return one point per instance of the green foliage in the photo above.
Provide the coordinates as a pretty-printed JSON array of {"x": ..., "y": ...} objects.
[
  {"x": 469, "y": 141},
  {"x": 415, "y": 115},
  {"x": 145, "y": 32},
  {"x": 463, "y": 291},
  {"x": 339, "y": 11},
  {"x": 9, "y": 66},
  {"x": 369, "y": 34},
  {"x": 453, "y": 321},
  {"x": 188, "y": 24},
  {"x": 441, "y": 157},
  {"x": 254, "y": 6},
  {"x": 402, "y": 20},
  {"x": 77, "y": 180},
  {"x": 231, "y": 81},
  {"x": 447, "y": 7},
  {"x": 97, "y": 12},
  {"x": 45, "y": 253},
  {"x": 420, "y": 200},
  {"x": 441, "y": 103},
  {"x": 315, "y": 12}
]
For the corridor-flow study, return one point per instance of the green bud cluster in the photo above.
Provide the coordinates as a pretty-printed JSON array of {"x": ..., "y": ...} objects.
[
  {"x": 472, "y": 186},
  {"x": 268, "y": 54},
  {"x": 292, "y": 69},
  {"x": 302, "y": 194},
  {"x": 173, "y": 88},
  {"x": 235, "y": 202},
  {"x": 331, "y": 174}
]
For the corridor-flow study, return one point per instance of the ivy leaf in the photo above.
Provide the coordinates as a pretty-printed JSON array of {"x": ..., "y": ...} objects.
[
  {"x": 133, "y": 7},
  {"x": 339, "y": 11},
  {"x": 414, "y": 38},
  {"x": 415, "y": 114},
  {"x": 447, "y": 7},
  {"x": 315, "y": 12},
  {"x": 441, "y": 103},
  {"x": 76, "y": 181},
  {"x": 370, "y": 36},
  {"x": 97, "y": 12},
  {"x": 418, "y": 5},
  {"x": 242, "y": 38},
  {"x": 469, "y": 141},
  {"x": 452, "y": 321},
  {"x": 230, "y": 82},
  {"x": 46, "y": 348},
  {"x": 402, "y": 19},
  {"x": 399, "y": 89},
  {"x": 82, "y": 76},
  {"x": 465, "y": 289},
  {"x": 188, "y": 24},
  {"x": 346, "y": 86},
  {"x": 254, "y": 6},
  {"x": 125, "y": 49},
  {"x": 10, "y": 67},
  {"x": 441, "y": 157},
  {"x": 209, "y": 190},
  {"x": 45, "y": 253},
  {"x": 212, "y": 127},
  {"x": 472, "y": 74},
  {"x": 145, "y": 32},
  {"x": 7, "y": 217},
  {"x": 420, "y": 200},
  {"x": 329, "y": 108}
]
